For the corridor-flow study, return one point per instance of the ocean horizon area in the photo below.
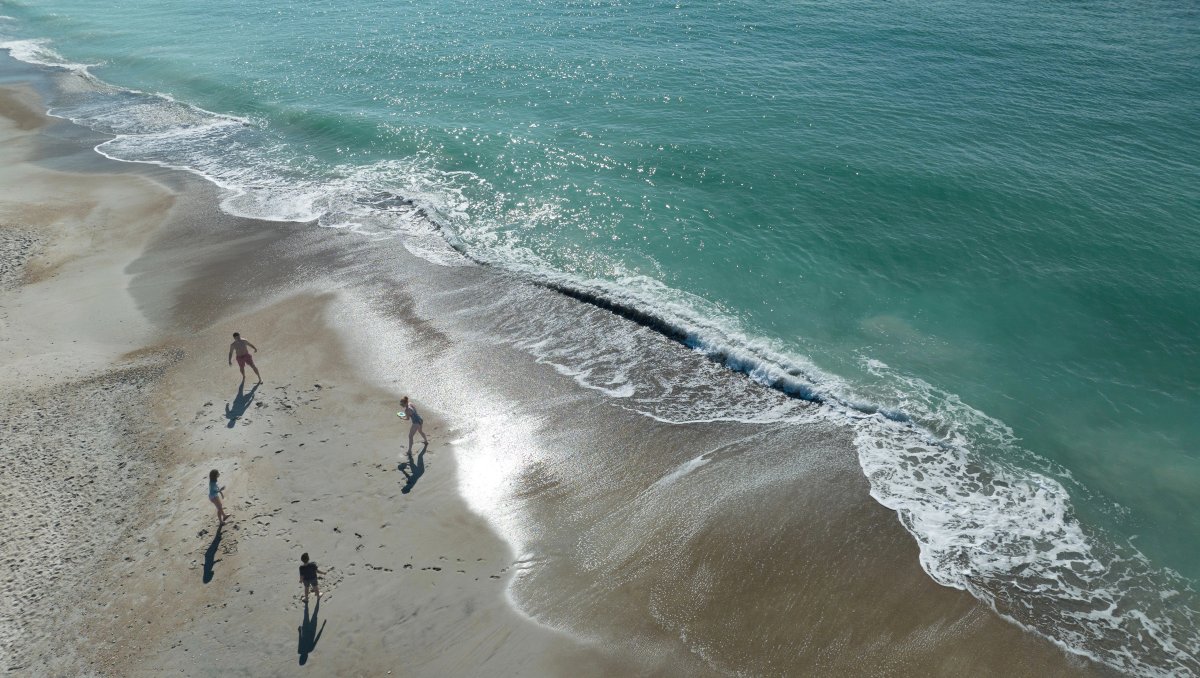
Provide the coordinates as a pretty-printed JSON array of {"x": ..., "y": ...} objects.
[{"x": 765, "y": 339}]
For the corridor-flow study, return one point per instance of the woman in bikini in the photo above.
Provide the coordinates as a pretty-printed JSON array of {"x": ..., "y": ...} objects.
[
  {"x": 411, "y": 413},
  {"x": 215, "y": 493}
]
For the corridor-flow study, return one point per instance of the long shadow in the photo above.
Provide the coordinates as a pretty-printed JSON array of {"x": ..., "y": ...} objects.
[
  {"x": 234, "y": 411},
  {"x": 210, "y": 556},
  {"x": 308, "y": 632},
  {"x": 413, "y": 469}
]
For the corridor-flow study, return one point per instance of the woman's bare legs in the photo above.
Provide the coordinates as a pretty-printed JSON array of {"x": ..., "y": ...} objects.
[
  {"x": 220, "y": 509},
  {"x": 414, "y": 430}
]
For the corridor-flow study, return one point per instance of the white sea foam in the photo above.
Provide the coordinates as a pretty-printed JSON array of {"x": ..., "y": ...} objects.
[
  {"x": 1008, "y": 534},
  {"x": 39, "y": 53},
  {"x": 682, "y": 470},
  {"x": 1004, "y": 531}
]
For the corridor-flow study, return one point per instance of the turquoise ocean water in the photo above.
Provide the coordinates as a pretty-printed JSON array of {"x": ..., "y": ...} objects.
[{"x": 976, "y": 222}]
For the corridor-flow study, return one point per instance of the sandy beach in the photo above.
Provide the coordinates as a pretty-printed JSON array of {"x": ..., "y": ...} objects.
[{"x": 546, "y": 530}]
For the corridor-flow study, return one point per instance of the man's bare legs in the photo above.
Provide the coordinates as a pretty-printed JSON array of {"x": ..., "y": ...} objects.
[
  {"x": 316, "y": 588},
  {"x": 253, "y": 367}
]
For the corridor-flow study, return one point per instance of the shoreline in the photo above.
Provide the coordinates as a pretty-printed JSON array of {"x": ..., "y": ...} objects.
[{"x": 335, "y": 304}]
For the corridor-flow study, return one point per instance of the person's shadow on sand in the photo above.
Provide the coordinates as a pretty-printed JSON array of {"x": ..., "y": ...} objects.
[
  {"x": 210, "y": 556},
  {"x": 234, "y": 411},
  {"x": 413, "y": 469},
  {"x": 308, "y": 632}
]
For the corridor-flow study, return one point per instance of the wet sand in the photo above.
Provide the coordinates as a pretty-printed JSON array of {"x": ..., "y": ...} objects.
[{"x": 546, "y": 529}]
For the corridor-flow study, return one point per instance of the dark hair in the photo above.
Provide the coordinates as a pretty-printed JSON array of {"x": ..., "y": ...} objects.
[
  {"x": 236, "y": 335},
  {"x": 212, "y": 475},
  {"x": 404, "y": 400},
  {"x": 304, "y": 557}
]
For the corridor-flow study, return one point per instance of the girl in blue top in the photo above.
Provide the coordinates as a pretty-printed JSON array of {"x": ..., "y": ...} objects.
[
  {"x": 411, "y": 413},
  {"x": 215, "y": 493}
]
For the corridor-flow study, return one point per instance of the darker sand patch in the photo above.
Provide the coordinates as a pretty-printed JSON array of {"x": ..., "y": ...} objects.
[
  {"x": 22, "y": 107},
  {"x": 16, "y": 247}
]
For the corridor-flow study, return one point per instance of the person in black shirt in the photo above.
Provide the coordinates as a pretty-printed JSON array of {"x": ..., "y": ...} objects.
[{"x": 308, "y": 576}]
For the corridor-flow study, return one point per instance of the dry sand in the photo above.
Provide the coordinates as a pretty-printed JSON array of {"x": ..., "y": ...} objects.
[{"x": 118, "y": 294}]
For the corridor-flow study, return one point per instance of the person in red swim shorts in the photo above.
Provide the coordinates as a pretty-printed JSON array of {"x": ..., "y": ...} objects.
[{"x": 240, "y": 347}]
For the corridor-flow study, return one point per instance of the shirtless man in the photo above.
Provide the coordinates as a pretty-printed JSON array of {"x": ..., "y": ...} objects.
[{"x": 238, "y": 347}]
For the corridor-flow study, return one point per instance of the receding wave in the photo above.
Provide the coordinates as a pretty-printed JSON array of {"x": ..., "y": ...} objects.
[{"x": 984, "y": 522}]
